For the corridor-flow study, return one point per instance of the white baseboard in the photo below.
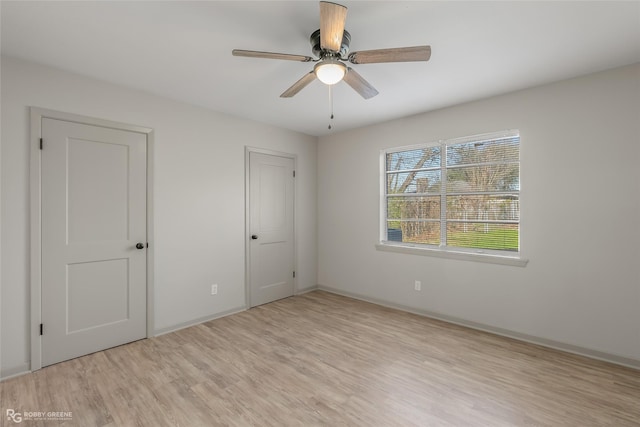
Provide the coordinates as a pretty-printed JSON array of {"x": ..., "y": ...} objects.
[
  {"x": 569, "y": 348},
  {"x": 306, "y": 290},
  {"x": 197, "y": 321},
  {"x": 15, "y": 371}
]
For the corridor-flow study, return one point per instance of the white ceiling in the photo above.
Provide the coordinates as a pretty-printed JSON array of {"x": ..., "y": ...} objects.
[{"x": 182, "y": 50}]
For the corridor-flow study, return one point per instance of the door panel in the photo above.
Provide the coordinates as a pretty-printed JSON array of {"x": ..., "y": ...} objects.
[
  {"x": 97, "y": 168},
  {"x": 271, "y": 221},
  {"x": 93, "y": 214},
  {"x": 97, "y": 293}
]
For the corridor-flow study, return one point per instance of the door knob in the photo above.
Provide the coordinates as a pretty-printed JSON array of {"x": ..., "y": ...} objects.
[
  {"x": 139, "y": 246},
  {"x": 254, "y": 237}
]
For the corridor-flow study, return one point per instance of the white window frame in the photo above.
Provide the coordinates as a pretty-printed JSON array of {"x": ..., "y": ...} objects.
[{"x": 470, "y": 254}]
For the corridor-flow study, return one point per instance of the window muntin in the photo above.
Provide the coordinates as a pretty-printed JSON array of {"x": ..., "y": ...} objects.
[{"x": 462, "y": 194}]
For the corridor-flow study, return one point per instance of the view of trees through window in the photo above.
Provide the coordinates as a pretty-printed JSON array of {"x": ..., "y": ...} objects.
[{"x": 458, "y": 194}]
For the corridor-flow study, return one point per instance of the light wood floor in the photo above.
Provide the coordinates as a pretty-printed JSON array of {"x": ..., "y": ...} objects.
[{"x": 325, "y": 360}]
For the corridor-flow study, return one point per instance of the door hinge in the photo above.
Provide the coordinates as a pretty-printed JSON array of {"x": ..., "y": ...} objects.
[
  {"x": 41, "y": 329},
  {"x": 41, "y": 143},
  {"x": 294, "y": 274},
  {"x": 294, "y": 174}
]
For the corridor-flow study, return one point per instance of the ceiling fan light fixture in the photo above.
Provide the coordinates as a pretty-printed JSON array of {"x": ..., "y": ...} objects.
[{"x": 330, "y": 71}]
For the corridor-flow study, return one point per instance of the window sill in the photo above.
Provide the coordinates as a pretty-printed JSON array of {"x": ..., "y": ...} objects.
[{"x": 452, "y": 254}]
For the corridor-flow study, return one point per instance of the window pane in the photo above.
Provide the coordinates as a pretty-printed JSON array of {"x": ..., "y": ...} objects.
[
  {"x": 413, "y": 207},
  {"x": 505, "y": 177},
  {"x": 413, "y": 182},
  {"x": 414, "y": 232},
  {"x": 427, "y": 157},
  {"x": 503, "y": 207},
  {"x": 482, "y": 186},
  {"x": 497, "y": 150},
  {"x": 483, "y": 236}
]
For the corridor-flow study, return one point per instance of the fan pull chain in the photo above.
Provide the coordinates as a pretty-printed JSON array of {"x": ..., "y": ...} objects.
[{"x": 331, "y": 103}]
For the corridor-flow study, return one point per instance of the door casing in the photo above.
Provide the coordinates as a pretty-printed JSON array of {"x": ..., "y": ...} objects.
[
  {"x": 247, "y": 234},
  {"x": 36, "y": 116}
]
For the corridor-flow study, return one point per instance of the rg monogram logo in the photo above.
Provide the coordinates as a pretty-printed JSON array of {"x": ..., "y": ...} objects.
[{"x": 16, "y": 417}]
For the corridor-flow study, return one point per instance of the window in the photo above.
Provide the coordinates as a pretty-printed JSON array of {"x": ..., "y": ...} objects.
[{"x": 459, "y": 195}]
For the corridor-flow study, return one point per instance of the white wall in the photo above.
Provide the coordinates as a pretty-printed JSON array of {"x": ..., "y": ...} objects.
[
  {"x": 580, "y": 173},
  {"x": 199, "y": 196}
]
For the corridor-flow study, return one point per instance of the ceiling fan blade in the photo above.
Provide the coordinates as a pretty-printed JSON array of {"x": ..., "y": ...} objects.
[
  {"x": 359, "y": 84},
  {"x": 400, "y": 54},
  {"x": 332, "y": 19},
  {"x": 270, "y": 55},
  {"x": 299, "y": 85}
]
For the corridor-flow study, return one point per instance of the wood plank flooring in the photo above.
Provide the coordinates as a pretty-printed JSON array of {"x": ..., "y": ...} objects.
[{"x": 324, "y": 360}]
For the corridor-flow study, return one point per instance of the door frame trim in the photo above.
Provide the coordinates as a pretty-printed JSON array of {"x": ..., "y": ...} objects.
[
  {"x": 247, "y": 217},
  {"x": 36, "y": 116}
]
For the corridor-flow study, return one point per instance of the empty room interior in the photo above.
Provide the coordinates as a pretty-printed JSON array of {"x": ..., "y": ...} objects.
[{"x": 371, "y": 213}]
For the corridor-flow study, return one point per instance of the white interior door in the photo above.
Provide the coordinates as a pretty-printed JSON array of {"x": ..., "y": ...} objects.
[
  {"x": 93, "y": 215},
  {"x": 271, "y": 227}
]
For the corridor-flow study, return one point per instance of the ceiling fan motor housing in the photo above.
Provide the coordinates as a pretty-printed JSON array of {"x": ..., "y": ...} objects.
[{"x": 314, "y": 39}]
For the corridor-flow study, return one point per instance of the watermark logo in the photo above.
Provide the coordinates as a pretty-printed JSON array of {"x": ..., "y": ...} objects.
[
  {"x": 18, "y": 417},
  {"x": 14, "y": 416}
]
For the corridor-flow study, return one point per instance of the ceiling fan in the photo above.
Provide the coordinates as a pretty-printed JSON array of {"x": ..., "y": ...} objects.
[{"x": 330, "y": 45}]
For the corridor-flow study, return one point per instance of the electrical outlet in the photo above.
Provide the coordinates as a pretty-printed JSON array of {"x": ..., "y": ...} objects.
[
  {"x": 417, "y": 285},
  {"x": 214, "y": 289}
]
